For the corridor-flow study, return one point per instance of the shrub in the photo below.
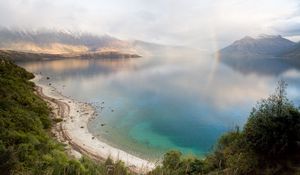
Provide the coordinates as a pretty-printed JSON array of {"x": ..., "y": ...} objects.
[{"x": 273, "y": 128}]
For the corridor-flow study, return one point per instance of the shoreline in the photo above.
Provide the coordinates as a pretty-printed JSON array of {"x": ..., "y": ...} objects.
[{"x": 73, "y": 130}]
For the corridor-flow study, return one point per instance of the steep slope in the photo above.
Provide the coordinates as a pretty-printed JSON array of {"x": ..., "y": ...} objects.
[{"x": 264, "y": 46}]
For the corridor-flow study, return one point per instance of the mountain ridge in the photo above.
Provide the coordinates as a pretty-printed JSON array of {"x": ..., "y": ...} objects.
[
  {"x": 266, "y": 55},
  {"x": 60, "y": 42},
  {"x": 268, "y": 46}
]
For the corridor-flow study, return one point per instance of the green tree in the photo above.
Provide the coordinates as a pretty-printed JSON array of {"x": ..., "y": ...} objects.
[
  {"x": 273, "y": 128},
  {"x": 172, "y": 159}
]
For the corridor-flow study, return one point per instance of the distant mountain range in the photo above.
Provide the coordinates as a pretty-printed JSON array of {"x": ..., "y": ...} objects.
[
  {"x": 60, "y": 42},
  {"x": 265, "y": 46},
  {"x": 267, "y": 54}
]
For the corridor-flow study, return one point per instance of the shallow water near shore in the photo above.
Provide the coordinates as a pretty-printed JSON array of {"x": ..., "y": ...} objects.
[{"x": 152, "y": 104}]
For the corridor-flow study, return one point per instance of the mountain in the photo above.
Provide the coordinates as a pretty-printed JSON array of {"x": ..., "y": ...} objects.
[
  {"x": 35, "y": 45},
  {"x": 265, "y": 55},
  {"x": 265, "y": 46},
  {"x": 293, "y": 53},
  {"x": 60, "y": 42}
]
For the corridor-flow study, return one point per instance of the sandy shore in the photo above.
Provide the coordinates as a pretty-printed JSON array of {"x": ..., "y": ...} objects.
[{"x": 74, "y": 132}]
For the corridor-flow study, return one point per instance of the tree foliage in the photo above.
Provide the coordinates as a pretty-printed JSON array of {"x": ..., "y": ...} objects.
[
  {"x": 273, "y": 128},
  {"x": 176, "y": 164}
]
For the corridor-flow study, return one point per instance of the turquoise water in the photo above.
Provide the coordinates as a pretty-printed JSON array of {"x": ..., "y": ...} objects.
[{"x": 152, "y": 104}]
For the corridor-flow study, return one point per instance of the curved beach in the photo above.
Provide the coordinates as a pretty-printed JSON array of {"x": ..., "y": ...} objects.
[{"x": 73, "y": 130}]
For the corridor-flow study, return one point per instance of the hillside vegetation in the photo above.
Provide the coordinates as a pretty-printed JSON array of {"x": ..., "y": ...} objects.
[{"x": 25, "y": 145}]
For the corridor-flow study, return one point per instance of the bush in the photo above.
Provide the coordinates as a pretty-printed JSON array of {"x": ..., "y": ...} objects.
[
  {"x": 172, "y": 160},
  {"x": 232, "y": 154},
  {"x": 273, "y": 128}
]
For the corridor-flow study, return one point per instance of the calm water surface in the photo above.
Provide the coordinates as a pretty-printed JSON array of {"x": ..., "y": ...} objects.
[{"x": 152, "y": 104}]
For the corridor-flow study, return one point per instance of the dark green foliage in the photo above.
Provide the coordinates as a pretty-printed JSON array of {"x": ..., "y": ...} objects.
[
  {"x": 172, "y": 159},
  {"x": 232, "y": 155},
  {"x": 25, "y": 145},
  {"x": 174, "y": 163},
  {"x": 273, "y": 128}
]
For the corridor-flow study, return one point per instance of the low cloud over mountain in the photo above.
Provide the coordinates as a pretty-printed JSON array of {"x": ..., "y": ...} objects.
[{"x": 57, "y": 42}]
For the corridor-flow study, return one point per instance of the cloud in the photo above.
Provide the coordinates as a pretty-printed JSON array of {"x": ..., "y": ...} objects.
[
  {"x": 202, "y": 24},
  {"x": 288, "y": 26}
]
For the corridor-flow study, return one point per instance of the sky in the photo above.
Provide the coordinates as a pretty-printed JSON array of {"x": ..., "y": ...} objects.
[{"x": 204, "y": 24}]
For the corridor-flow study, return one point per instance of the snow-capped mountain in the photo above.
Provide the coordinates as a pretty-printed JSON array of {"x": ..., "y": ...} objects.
[{"x": 60, "y": 42}]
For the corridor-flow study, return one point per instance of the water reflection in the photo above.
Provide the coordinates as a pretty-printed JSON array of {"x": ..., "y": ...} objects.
[
  {"x": 261, "y": 66},
  {"x": 157, "y": 103},
  {"x": 68, "y": 68}
]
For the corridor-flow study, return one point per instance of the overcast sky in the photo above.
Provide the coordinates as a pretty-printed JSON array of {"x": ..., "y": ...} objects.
[{"x": 197, "y": 23}]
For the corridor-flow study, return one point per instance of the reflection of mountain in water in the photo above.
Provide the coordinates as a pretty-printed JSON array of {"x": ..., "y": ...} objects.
[
  {"x": 267, "y": 55},
  {"x": 79, "y": 67},
  {"x": 264, "y": 66}
]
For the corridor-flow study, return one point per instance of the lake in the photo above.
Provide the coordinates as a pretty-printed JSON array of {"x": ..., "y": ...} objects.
[{"x": 181, "y": 100}]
